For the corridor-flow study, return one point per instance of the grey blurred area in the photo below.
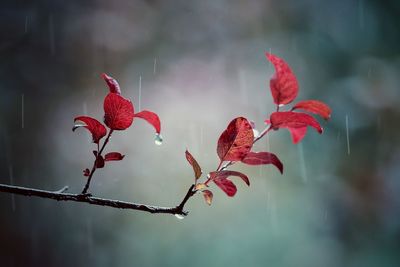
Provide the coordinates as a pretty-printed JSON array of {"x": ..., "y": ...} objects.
[{"x": 199, "y": 64}]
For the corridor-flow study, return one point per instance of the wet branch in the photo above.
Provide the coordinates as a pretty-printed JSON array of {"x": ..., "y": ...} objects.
[{"x": 60, "y": 195}]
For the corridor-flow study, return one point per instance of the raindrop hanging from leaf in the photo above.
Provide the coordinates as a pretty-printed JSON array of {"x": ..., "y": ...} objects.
[{"x": 158, "y": 140}]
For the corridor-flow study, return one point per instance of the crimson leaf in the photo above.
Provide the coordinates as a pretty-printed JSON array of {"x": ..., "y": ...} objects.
[
  {"x": 297, "y": 133},
  {"x": 259, "y": 158},
  {"x": 112, "y": 84},
  {"x": 118, "y": 112},
  {"x": 236, "y": 141},
  {"x": 225, "y": 174},
  {"x": 226, "y": 185},
  {"x": 314, "y": 106},
  {"x": 290, "y": 119},
  {"x": 196, "y": 167},
  {"x": 113, "y": 156},
  {"x": 95, "y": 127},
  {"x": 151, "y": 118},
  {"x": 284, "y": 85}
]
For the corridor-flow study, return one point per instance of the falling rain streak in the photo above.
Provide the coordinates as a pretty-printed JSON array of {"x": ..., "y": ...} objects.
[
  {"x": 347, "y": 135},
  {"x": 303, "y": 167},
  {"x": 140, "y": 92},
  {"x": 22, "y": 111},
  {"x": 155, "y": 65}
]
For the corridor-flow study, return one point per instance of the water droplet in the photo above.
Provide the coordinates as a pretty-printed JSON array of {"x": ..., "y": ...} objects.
[
  {"x": 180, "y": 217},
  {"x": 256, "y": 133},
  {"x": 158, "y": 140}
]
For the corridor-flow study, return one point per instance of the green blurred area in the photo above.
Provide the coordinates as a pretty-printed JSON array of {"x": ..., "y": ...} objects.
[{"x": 200, "y": 64}]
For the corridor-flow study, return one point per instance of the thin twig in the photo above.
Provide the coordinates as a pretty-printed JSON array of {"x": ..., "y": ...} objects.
[
  {"x": 87, "y": 198},
  {"x": 86, "y": 188}
]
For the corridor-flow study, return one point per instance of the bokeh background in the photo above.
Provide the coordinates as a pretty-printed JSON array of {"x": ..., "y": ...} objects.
[{"x": 199, "y": 64}]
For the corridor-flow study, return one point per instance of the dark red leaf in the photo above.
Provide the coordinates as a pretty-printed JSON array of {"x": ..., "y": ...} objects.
[
  {"x": 236, "y": 141},
  {"x": 151, "y": 118},
  {"x": 290, "y": 119},
  {"x": 208, "y": 196},
  {"x": 297, "y": 133},
  {"x": 195, "y": 165},
  {"x": 86, "y": 172},
  {"x": 226, "y": 185},
  {"x": 100, "y": 162},
  {"x": 314, "y": 106},
  {"x": 226, "y": 174},
  {"x": 118, "y": 112},
  {"x": 95, "y": 127},
  {"x": 284, "y": 85},
  {"x": 259, "y": 158},
  {"x": 112, "y": 84},
  {"x": 113, "y": 156}
]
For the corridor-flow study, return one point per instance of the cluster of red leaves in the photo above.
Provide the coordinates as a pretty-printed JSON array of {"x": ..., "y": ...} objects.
[
  {"x": 236, "y": 142},
  {"x": 118, "y": 115}
]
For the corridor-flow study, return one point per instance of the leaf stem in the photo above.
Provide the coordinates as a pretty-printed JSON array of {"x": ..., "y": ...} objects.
[{"x": 86, "y": 188}]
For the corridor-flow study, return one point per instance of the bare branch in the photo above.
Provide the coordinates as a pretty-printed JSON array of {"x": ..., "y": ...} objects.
[{"x": 87, "y": 198}]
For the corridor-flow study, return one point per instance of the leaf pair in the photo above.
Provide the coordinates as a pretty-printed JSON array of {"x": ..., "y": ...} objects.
[
  {"x": 118, "y": 114},
  {"x": 207, "y": 194},
  {"x": 284, "y": 89}
]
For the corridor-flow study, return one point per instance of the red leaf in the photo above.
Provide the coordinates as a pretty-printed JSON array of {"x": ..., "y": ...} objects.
[
  {"x": 118, "y": 112},
  {"x": 297, "y": 133},
  {"x": 236, "y": 141},
  {"x": 86, "y": 172},
  {"x": 226, "y": 185},
  {"x": 151, "y": 118},
  {"x": 112, "y": 84},
  {"x": 208, "y": 196},
  {"x": 95, "y": 127},
  {"x": 284, "y": 86},
  {"x": 290, "y": 119},
  {"x": 225, "y": 174},
  {"x": 259, "y": 158},
  {"x": 314, "y": 106},
  {"x": 113, "y": 156},
  {"x": 100, "y": 162},
  {"x": 195, "y": 165}
]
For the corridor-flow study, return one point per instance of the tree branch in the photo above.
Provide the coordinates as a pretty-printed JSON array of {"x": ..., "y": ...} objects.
[{"x": 87, "y": 198}]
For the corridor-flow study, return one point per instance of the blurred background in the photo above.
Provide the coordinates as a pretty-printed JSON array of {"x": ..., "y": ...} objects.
[{"x": 199, "y": 64}]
